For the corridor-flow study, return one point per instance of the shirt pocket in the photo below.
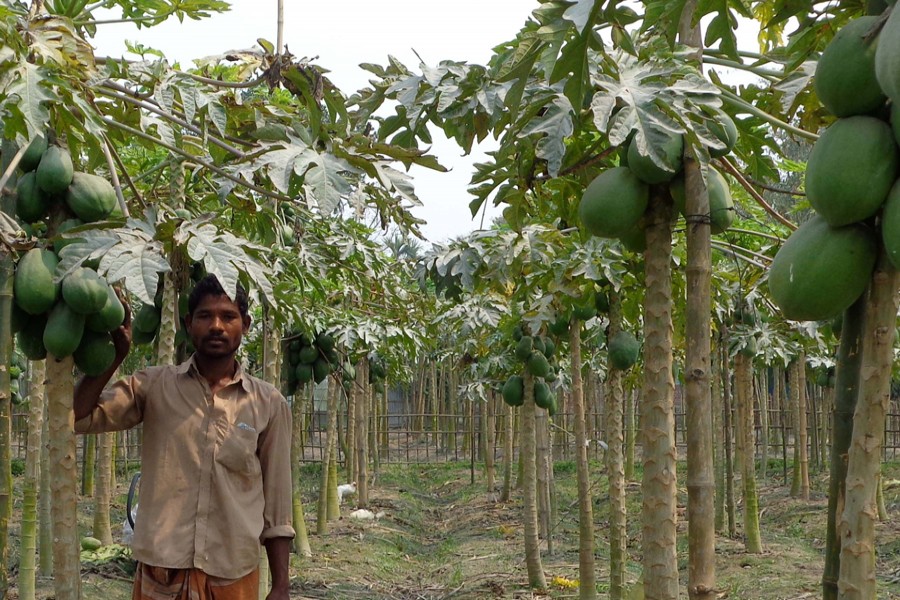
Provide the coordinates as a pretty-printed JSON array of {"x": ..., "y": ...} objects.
[{"x": 237, "y": 453}]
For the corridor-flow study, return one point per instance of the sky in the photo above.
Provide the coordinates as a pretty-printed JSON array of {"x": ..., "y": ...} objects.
[{"x": 341, "y": 34}]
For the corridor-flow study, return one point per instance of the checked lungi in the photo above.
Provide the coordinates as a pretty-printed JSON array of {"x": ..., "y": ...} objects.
[{"x": 158, "y": 583}]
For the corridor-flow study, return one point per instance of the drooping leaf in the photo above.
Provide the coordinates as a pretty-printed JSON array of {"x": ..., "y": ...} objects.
[
  {"x": 555, "y": 125},
  {"x": 31, "y": 94}
]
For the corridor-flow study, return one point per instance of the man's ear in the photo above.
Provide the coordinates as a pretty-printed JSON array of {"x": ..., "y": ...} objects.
[{"x": 246, "y": 320}]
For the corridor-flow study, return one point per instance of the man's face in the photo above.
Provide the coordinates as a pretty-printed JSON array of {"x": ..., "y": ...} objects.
[{"x": 216, "y": 327}]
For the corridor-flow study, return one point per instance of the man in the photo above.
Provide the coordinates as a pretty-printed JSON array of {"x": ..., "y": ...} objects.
[{"x": 215, "y": 459}]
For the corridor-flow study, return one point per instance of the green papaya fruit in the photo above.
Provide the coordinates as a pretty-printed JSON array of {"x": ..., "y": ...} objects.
[
  {"x": 95, "y": 353},
  {"x": 34, "y": 289},
  {"x": 513, "y": 391},
  {"x": 55, "y": 171},
  {"x": 31, "y": 203},
  {"x": 32, "y": 157},
  {"x": 30, "y": 339},
  {"x": 85, "y": 291},
  {"x": 110, "y": 315},
  {"x": 91, "y": 197},
  {"x": 64, "y": 330}
]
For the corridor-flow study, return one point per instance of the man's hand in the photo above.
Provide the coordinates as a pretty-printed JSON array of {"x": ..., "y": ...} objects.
[
  {"x": 279, "y": 552},
  {"x": 281, "y": 594},
  {"x": 121, "y": 335}
]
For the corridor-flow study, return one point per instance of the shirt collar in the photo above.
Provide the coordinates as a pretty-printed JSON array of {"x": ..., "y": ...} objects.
[{"x": 190, "y": 367}]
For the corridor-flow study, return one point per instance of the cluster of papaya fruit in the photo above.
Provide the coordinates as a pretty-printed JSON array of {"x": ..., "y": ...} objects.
[
  {"x": 822, "y": 375},
  {"x": 309, "y": 358},
  {"x": 72, "y": 316},
  {"x": 851, "y": 176},
  {"x": 624, "y": 349},
  {"x": 613, "y": 204},
  {"x": 537, "y": 354},
  {"x": 377, "y": 369},
  {"x": 49, "y": 179},
  {"x": 593, "y": 301},
  {"x": 17, "y": 367}
]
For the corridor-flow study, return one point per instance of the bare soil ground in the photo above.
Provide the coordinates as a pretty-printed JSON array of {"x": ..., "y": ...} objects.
[{"x": 441, "y": 537}]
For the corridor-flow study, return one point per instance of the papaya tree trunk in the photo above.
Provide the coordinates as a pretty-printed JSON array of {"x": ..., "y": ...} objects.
[
  {"x": 728, "y": 433},
  {"x": 630, "y": 402},
  {"x": 797, "y": 373},
  {"x": 615, "y": 461},
  {"x": 587, "y": 588},
  {"x": 698, "y": 401},
  {"x": 542, "y": 458},
  {"x": 88, "y": 456},
  {"x": 352, "y": 396},
  {"x": 31, "y": 483},
  {"x": 453, "y": 400},
  {"x": 103, "y": 489},
  {"x": 168, "y": 321},
  {"x": 533, "y": 564},
  {"x": 763, "y": 395},
  {"x": 743, "y": 383},
  {"x": 375, "y": 414},
  {"x": 824, "y": 433},
  {"x": 508, "y": 446},
  {"x": 803, "y": 426},
  {"x": 8, "y": 162},
  {"x": 718, "y": 427},
  {"x": 333, "y": 502},
  {"x": 812, "y": 428},
  {"x": 301, "y": 539},
  {"x": 384, "y": 431},
  {"x": 432, "y": 401},
  {"x": 489, "y": 432},
  {"x": 879, "y": 498},
  {"x": 657, "y": 409},
  {"x": 271, "y": 351},
  {"x": 63, "y": 479},
  {"x": 362, "y": 435},
  {"x": 45, "y": 519},
  {"x": 322, "y": 508},
  {"x": 857, "y": 522}
]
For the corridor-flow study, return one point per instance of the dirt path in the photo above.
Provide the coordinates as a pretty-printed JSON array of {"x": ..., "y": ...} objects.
[{"x": 440, "y": 538}]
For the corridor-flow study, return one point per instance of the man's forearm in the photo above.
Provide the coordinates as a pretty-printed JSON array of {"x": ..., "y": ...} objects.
[
  {"x": 279, "y": 552},
  {"x": 88, "y": 390}
]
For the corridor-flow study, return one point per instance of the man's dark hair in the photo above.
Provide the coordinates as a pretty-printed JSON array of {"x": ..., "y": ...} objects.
[{"x": 210, "y": 286}]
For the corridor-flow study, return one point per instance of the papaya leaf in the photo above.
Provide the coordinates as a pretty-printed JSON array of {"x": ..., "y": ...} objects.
[
  {"x": 266, "y": 45},
  {"x": 30, "y": 93},
  {"x": 225, "y": 256},
  {"x": 281, "y": 164},
  {"x": 128, "y": 255},
  {"x": 555, "y": 125},
  {"x": 795, "y": 83},
  {"x": 396, "y": 181},
  {"x": 217, "y": 114},
  {"x": 325, "y": 183},
  {"x": 655, "y": 100},
  {"x": 581, "y": 13}
]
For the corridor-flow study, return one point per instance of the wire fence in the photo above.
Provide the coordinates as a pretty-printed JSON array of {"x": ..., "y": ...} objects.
[{"x": 414, "y": 438}]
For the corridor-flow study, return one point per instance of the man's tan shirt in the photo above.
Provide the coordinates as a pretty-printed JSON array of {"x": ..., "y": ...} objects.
[{"x": 215, "y": 470}]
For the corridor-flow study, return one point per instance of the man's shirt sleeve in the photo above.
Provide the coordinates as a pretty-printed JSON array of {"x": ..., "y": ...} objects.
[
  {"x": 275, "y": 461},
  {"x": 121, "y": 406}
]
